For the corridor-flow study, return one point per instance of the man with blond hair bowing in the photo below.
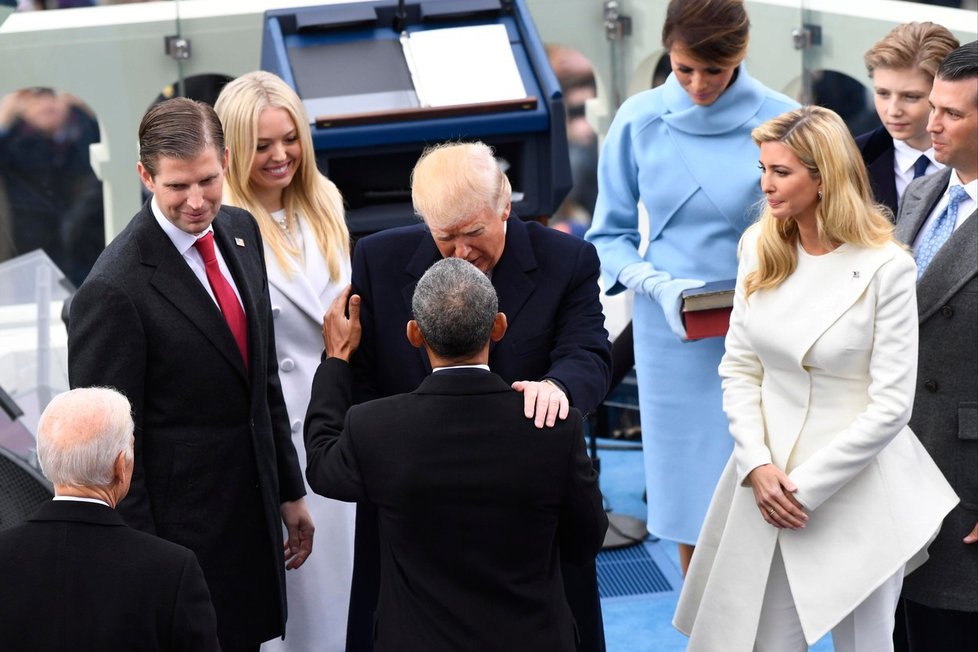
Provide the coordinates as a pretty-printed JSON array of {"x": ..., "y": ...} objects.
[{"x": 75, "y": 577}]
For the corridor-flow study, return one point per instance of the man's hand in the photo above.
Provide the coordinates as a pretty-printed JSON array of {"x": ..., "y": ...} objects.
[
  {"x": 973, "y": 535},
  {"x": 543, "y": 402},
  {"x": 772, "y": 494},
  {"x": 299, "y": 525},
  {"x": 341, "y": 335}
]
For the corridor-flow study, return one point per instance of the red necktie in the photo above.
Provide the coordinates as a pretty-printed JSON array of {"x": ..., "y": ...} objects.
[{"x": 226, "y": 298}]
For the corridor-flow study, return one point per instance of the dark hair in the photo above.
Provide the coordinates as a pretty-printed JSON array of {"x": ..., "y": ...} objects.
[
  {"x": 713, "y": 31},
  {"x": 455, "y": 306},
  {"x": 961, "y": 63},
  {"x": 178, "y": 128}
]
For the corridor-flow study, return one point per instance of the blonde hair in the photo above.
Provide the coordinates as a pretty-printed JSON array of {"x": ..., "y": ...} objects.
[
  {"x": 453, "y": 182},
  {"x": 310, "y": 194},
  {"x": 846, "y": 212},
  {"x": 913, "y": 46}
]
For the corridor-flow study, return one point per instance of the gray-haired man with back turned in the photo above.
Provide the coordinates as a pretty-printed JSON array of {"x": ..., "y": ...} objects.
[
  {"x": 471, "y": 534},
  {"x": 75, "y": 577}
]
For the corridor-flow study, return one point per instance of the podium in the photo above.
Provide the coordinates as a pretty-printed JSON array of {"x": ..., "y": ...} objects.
[{"x": 352, "y": 66}]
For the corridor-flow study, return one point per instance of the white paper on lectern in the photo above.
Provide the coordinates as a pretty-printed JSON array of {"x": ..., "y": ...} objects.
[{"x": 463, "y": 65}]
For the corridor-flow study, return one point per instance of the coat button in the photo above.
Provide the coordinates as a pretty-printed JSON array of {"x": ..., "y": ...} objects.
[
  {"x": 947, "y": 311},
  {"x": 296, "y": 425},
  {"x": 930, "y": 385},
  {"x": 287, "y": 364},
  {"x": 276, "y": 311}
]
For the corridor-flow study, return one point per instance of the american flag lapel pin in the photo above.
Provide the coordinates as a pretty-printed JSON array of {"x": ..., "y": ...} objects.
[{"x": 239, "y": 242}]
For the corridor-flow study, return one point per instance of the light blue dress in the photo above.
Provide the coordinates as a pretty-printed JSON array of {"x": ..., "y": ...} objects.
[{"x": 695, "y": 170}]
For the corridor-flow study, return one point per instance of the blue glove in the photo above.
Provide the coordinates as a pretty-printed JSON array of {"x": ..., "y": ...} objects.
[
  {"x": 662, "y": 288},
  {"x": 669, "y": 296}
]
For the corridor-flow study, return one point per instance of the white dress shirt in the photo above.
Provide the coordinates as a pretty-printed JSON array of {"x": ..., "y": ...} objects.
[{"x": 904, "y": 157}]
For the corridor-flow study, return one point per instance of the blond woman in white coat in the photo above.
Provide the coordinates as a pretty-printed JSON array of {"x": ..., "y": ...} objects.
[
  {"x": 272, "y": 173},
  {"x": 828, "y": 498}
]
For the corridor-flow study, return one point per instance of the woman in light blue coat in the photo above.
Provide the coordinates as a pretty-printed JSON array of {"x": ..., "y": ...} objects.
[{"x": 683, "y": 150}]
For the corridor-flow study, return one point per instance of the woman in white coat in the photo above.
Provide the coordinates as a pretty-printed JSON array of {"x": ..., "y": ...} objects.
[
  {"x": 828, "y": 498},
  {"x": 272, "y": 173}
]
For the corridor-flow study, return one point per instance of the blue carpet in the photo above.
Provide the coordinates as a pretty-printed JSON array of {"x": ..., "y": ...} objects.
[{"x": 639, "y": 585}]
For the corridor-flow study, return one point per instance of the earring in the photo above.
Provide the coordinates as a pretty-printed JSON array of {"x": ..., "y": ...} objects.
[{"x": 819, "y": 195}]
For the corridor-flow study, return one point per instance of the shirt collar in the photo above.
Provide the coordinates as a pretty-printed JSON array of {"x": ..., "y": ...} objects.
[
  {"x": 905, "y": 155},
  {"x": 484, "y": 367},
  {"x": 182, "y": 240},
  {"x": 81, "y": 499}
]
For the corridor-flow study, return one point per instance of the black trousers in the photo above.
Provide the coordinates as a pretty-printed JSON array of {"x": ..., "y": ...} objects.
[{"x": 929, "y": 629}]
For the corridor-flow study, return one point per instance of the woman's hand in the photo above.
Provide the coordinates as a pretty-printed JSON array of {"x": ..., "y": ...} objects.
[{"x": 772, "y": 493}]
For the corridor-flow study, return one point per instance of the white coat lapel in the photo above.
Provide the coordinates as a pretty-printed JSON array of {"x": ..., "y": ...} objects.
[
  {"x": 845, "y": 278},
  {"x": 299, "y": 288}
]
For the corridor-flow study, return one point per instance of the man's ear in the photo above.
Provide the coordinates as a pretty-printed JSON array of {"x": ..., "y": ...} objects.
[
  {"x": 507, "y": 211},
  {"x": 146, "y": 178},
  {"x": 499, "y": 326},
  {"x": 414, "y": 334}
]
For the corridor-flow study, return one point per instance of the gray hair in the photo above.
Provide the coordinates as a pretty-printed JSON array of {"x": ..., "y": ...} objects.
[
  {"x": 81, "y": 433},
  {"x": 455, "y": 306}
]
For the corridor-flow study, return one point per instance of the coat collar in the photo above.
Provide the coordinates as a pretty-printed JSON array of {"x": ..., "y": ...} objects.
[
  {"x": 174, "y": 280},
  {"x": 305, "y": 288},
  {"x": 955, "y": 263},
  {"x": 848, "y": 271},
  {"x": 64, "y": 510},
  {"x": 468, "y": 384},
  {"x": 738, "y": 104}
]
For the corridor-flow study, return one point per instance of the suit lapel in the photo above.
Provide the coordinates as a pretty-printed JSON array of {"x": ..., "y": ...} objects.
[
  {"x": 238, "y": 246},
  {"x": 511, "y": 277},
  {"x": 953, "y": 266},
  {"x": 918, "y": 201},
  {"x": 175, "y": 281},
  {"x": 298, "y": 289},
  {"x": 425, "y": 256},
  {"x": 849, "y": 275},
  {"x": 955, "y": 263}
]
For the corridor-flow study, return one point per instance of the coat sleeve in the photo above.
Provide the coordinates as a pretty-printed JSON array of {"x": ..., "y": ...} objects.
[
  {"x": 741, "y": 372},
  {"x": 194, "y": 625},
  {"x": 614, "y": 229},
  {"x": 331, "y": 462},
  {"x": 107, "y": 348},
  {"x": 893, "y": 375},
  {"x": 580, "y": 358},
  {"x": 582, "y": 522}
]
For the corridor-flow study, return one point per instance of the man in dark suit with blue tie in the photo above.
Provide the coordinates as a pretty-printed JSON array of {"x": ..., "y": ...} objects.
[
  {"x": 74, "y": 576},
  {"x": 176, "y": 315},
  {"x": 938, "y": 218},
  {"x": 471, "y": 533},
  {"x": 556, "y": 351}
]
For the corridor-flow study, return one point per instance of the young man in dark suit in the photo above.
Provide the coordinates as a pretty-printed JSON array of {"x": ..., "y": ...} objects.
[
  {"x": 477, "y": 506},
  {"x": 176, "y": 315},
  {"x": 938, "y": 218},
  {"x": 556, "y": 350},
  {"x": 74, "y": 576}
]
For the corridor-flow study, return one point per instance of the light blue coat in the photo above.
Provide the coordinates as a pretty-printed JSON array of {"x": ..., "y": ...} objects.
[{"x": 695, "y": 170}]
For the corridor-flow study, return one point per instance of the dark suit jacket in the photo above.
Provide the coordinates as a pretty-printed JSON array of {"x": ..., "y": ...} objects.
[
  {"x": 547, "y": 284},
  {"x": 876, "y": 147},
  {"x": 476, "y": 508},
  {"x": 945, "y": 410},
  {"x": 214, "y": 455},
  {"x": 75, "y": 578}
]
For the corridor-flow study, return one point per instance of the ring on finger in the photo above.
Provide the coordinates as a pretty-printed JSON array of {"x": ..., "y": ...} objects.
[{"x": 771, "y": 512}]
